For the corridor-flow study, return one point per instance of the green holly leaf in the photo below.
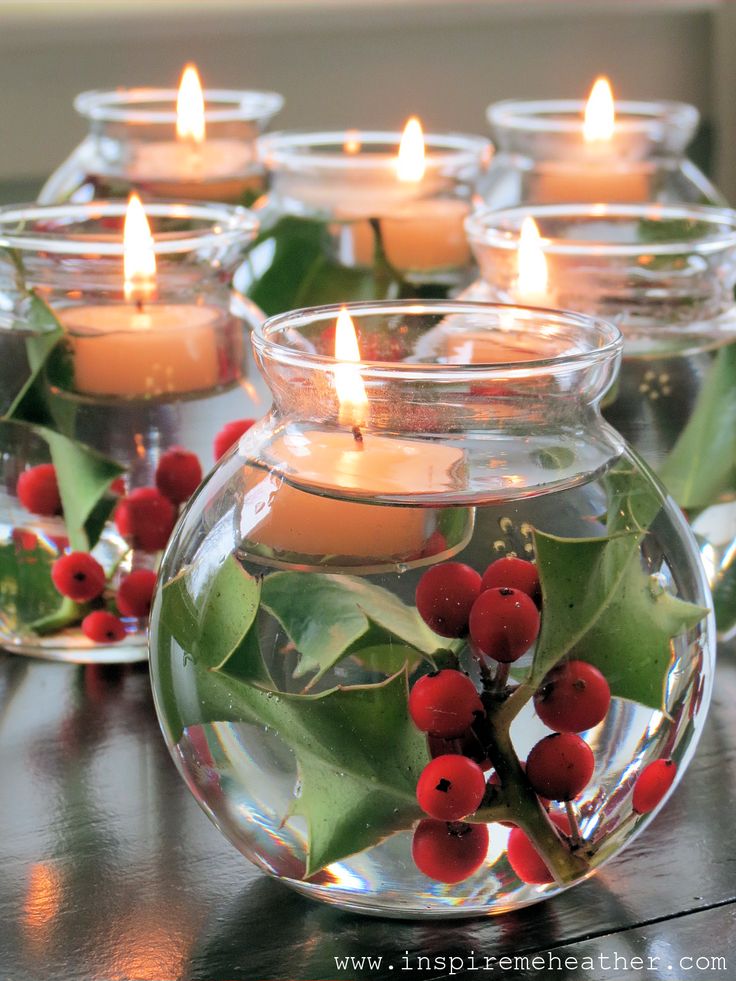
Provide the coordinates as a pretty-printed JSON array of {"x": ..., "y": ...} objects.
[
  {"x": 602, "y": 607},
  {"x": 633, "y": 497},
  {"x": 358, "y": 755},
  {"x": 45, "y": 332},
  {"x": 328, "y": 617},
  {"x": 292, "y": 264},
  {"x": 215, "y": 625},
  {"x": 702, "y": 463}
]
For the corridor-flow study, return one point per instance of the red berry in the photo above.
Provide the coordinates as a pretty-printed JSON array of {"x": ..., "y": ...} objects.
[
  {"x": 178, "y": 474},
  {"x": 450, "y": 787},
  {"x": 652, "y": 785},
  {"x": 229, "y": 436},
  {"x": 38, "y": 490},
  {"x": 78, "y": 576},
  {"x": 24, "y": 541},
  {"x": 560, "y": 766},
  {"x": 514, "y": 574},
  {"x": 135, "y": 593},
  {"x": 573, "y": 697},
  {"x": 504, "y": 623},
  {"x": 117, "y": 487},
  {"x": 147, "y": 518},
  {"x": 443, "y": 703},
  {"x": 445, "y": 596},
  {"x": 449, "y": 852},
  {"x": 525, "y": 860},
  {"x": 103, "y": 628}
]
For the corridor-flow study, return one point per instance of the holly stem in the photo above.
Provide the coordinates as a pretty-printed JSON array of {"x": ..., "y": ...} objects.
[
  {"x": 502, "y": 675},
  {"x": 574, "y": 826},
  {"x": 522, "y": 805},
  {"x": 67, "y": 613}
]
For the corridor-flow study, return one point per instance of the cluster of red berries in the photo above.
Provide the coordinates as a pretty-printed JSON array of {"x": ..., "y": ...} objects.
[
  {"x": 498, "y": 609},
  {"x": 499, "y": 612}
]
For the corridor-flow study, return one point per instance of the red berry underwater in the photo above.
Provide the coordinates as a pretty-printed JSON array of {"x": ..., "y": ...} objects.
[
  {"x": 445, "y": 596},
  {"x": 38, "y": 490},
  {"x": 525, "y": 860},
  {"x": 135, "y": 593},
  {"x": 103, "y": 628},
  {"x": 444, "y": 703},
  {"x": 449, "y": 852},
  {"x": 229, "y": 435},
  {"x": 514, "y": 574},
  {"x": 78, "y": 576},
  {"x": 652, "y": 785},
  {"x": 147, "y": 518},
  {"x": 178, "y": 474},
  {"x": 573, "y": 697},
  {"x": 504, "y": 623},
  {"x": 560, "y": 766},
  {"x": 450, "y": 787}
]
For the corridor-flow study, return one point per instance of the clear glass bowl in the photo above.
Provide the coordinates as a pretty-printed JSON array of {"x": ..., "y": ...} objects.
[
  {"x": 101, "y": 387},
  {"x": 542, "y": 158},
  {"x": 338, "y": 224},
  {"x": 666, "y": 276},
  {"x": 132, "y": 146},
  {"x": 298, "y": 605}
]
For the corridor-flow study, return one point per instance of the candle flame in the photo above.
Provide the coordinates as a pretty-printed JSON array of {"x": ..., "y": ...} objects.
[
  {"x": 352, "y": 144},
  {"x": 139, "y": 255},
  {"x": 349, "y": 385},
  {"x": 410, "y": 162},
  {"x": 532, "y": 273},
  {"x": 600, "y": 115},
  {"x": 190, "y": 107}
]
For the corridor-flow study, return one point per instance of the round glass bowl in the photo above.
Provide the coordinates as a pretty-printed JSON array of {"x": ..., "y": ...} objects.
[
  {"x": 104, "y": 376},
  {"x": 322, "y": 600},
  {"x": 666, "y": 276},
  {"x": 542, "y": 156},
  {"x": 132, "y": 145},
  {"x": 343, "y": 222}
]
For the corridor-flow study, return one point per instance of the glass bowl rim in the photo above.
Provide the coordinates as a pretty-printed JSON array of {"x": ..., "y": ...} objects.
[
  {"x": 549, "y": 116},
  {"x": 128, "y": 105},
  {"x": 483, "y": 228},
  {"x": 286, "y": 149},
  {"x": 608, "y": 334},
  {"x": 222, "y": 223}
]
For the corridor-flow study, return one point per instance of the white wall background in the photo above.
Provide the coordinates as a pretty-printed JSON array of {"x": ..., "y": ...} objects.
[{"x": 355, "y": 63}]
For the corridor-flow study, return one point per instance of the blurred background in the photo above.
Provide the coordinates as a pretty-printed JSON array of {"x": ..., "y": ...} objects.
[{"x": 362, "y": 64}]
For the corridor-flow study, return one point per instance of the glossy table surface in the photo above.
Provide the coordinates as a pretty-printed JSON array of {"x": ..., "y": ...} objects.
[{"x": 110, "y": 871}]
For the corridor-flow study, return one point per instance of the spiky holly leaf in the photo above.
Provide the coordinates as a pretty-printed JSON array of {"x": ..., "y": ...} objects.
[
  {"x": 702, "y": 463},
  {"x": 328, "y": 617},
  {"x": 212, "y": 618},
  {"x": 358, "y": 757},
  {"x": 602, "y": 607}
]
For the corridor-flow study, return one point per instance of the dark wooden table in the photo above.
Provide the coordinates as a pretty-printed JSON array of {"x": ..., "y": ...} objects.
[{"x": 108, "y": 870}]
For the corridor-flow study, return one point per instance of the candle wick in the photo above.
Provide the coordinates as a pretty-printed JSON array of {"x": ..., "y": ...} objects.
[
  {"x": 358, "y": 436},
  {"x": 139, "y": 305}
]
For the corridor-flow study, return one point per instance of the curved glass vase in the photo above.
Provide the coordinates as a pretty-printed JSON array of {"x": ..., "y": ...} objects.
[
  {"x": 132, "y": 145},
  {"x": 97, "y": 388},
  {"x": 341, "y": 223},
  {"x": 323, "y": 594},
  {"x": 542, "y": 157},
  {"x": 666, "y": 276}
]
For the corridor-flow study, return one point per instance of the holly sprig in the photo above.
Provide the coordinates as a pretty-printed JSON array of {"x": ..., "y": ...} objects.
[
  {"x": 83, "y": 475},
  {"x": 292, "y": 263},
  {"x": 357, "y": 753}
]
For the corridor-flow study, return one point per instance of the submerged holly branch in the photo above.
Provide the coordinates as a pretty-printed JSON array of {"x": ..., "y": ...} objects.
[{"x": 599, "y": 604}]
